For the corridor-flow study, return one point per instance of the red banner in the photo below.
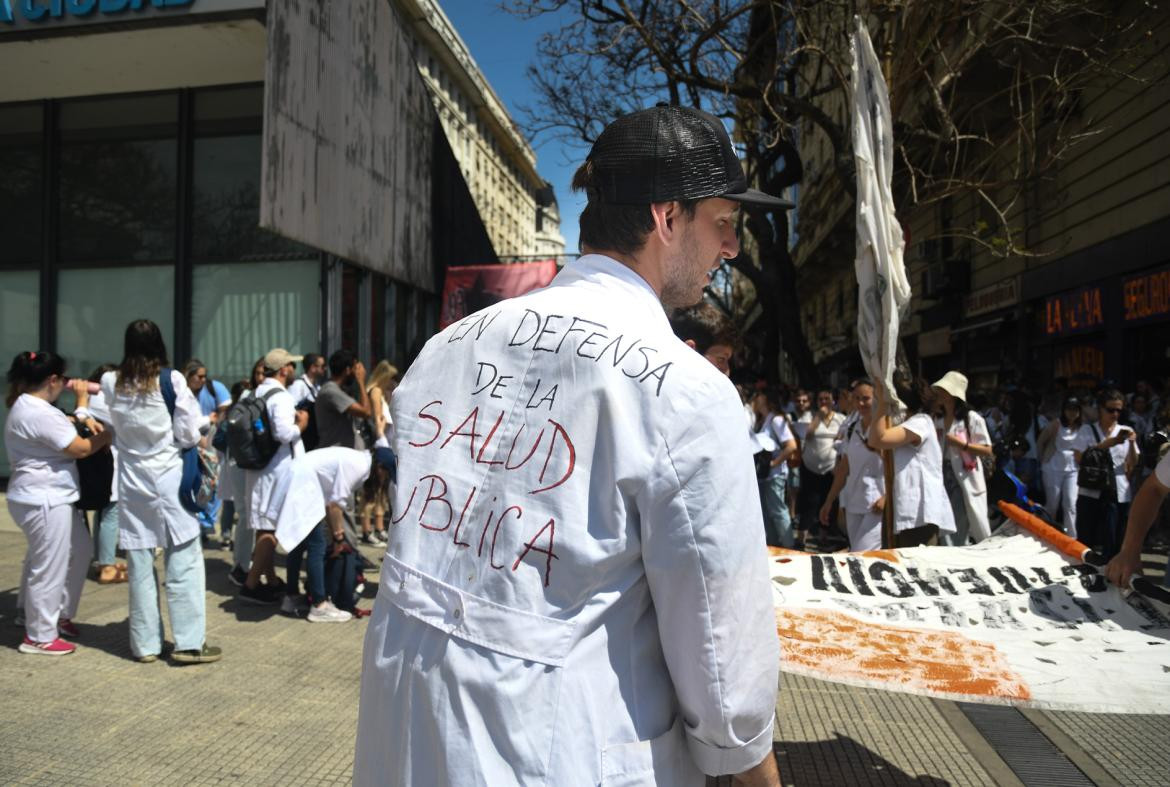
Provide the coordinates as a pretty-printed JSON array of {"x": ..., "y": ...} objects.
[{"x": 469, "y": 288}]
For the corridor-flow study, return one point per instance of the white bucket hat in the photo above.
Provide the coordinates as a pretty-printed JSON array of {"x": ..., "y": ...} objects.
[{"x": 954, "y": 383}]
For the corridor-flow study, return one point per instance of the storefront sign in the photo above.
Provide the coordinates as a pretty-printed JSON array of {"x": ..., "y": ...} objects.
[
  {"x": 1082, "y": 360},
  {"x": 1146, "y": 296},
  {"x": 40, "y": 16},
  {"x": 988, "y": 299},
  {"x": 1076, "y": 311}
]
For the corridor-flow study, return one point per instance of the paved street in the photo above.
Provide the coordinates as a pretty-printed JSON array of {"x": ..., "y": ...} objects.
[{"x": 281, "y": 707}]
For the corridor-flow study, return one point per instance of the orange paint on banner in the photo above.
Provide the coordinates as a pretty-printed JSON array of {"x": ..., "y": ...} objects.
[
  {"x": 910, "y": 659},
  {"x": 888, "y": 555}
]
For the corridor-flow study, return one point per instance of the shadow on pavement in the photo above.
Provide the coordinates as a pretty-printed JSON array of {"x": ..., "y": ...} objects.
[{"x": 836, "y": 762}]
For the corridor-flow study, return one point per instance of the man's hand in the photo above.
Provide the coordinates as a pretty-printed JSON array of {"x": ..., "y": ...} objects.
[
  {"x": 302, "y": 417},
  {"x": 823, "y": 516},
  {"x": 359, "y": 373},
  {"x": 879, "y": 504},
  {"x": 1122, "y": 567}
]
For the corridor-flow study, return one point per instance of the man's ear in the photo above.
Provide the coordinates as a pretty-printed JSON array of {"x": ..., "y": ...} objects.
[
  {"x": 690, "y": 343},
  {"x": 665, "y": 215}
]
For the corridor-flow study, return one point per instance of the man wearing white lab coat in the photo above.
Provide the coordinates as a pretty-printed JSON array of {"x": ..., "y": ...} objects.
[{"x": 576, "y": 586}]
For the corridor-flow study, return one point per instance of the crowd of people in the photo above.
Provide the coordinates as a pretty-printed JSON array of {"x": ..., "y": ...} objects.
[
  {"x": 1080, "y": 450},
  {"x": 158, "y": 454}
]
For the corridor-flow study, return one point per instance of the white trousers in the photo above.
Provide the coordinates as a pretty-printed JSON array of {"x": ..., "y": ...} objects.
[
  {"x": 1060, "y": 498},
  {"x": 59, "y": 549},
  {"x": 865, "y": 530}
]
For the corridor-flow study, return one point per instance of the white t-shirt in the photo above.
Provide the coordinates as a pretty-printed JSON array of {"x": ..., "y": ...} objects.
[
  {"x": 800, "y": 424},
  {"x": 1162, "y": 471},
  {"x": 776, "y": 427},
  {"x": 1118, "y": 453},
  {"x": 36, "y": 435},
  {"x": 1069, "y": 439},
  {"x": 818, "y": 452}
]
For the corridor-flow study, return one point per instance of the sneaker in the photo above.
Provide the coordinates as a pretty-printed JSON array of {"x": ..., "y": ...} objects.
[
  {"x": 226, "y": 544},
  {"x": 257, "y": 595},
  {"x": 368, "y": 538},
  {"x": 380, "y": 535},
  {"x": 238, "y": 575},
  {"x": 57, "y": 647},
  {"x": 325, "y": 612},
  {"x": 293, "y": 605},
  {"x": 66, "y": 628},
  {"x": 204, "y": 655},
  {"x": 149, "y": 658}
]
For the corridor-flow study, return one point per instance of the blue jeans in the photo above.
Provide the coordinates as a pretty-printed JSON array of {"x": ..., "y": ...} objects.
[
  {"x": 314, "y": 545},
  {"x": 1101, "y": 523},
  {"x": 105, "y": 534},
  {"x": 340, "y": 574},
  {"x": 777, "y": 523},
  {"x": 186, "y": 602}
]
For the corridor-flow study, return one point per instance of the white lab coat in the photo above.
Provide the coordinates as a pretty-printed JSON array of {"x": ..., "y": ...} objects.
[
  {"x": 259, "y": 484},
  {"x": 306, "y": 484},
  {"x": 919, "y": 495},
  {"x": 150, "y": 466},
  {"x": 972, "y": 483},
  {"x": 576, "y": 587}
]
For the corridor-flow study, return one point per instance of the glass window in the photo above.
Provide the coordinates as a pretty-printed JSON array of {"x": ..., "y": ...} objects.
[
  {"x": 19, "y": 321},
  {"x": 94, "y": 305},
  {"x": 240, "y": 311},
  {"x": 226, "y": 180},
  {"x": 118, "y": 179},
  {"x": 20, "y": 184}
]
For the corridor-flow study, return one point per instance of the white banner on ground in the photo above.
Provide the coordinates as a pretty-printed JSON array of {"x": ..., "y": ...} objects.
[
  {"x": 1008, "y": 621},
  {"x": 881, "y": 273}
]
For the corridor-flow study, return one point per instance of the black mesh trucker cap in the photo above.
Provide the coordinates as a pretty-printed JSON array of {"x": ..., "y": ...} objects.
[{"x": 669, "y": 153}]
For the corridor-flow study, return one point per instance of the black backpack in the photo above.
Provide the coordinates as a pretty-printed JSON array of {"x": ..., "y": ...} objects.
[
  {"x": 250, "y": 444},
  {"x": 1096, "y": 470}
]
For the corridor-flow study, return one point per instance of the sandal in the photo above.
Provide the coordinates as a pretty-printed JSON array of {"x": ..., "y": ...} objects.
[{"x": 110, "y": 575}]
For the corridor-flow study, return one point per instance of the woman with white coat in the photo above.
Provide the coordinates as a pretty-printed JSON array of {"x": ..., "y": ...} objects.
[
  {"x": 966, "y": 445},
  {"x": 149, "y": 442},
  {"x": 1059, "y": 445},
  {"x": 43, "y": 446},
  {"x": 859, "y": 479},
  {"x": 921, "y": 507}
]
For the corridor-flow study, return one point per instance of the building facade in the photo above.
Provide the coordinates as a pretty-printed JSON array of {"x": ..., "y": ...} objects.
[
  {"x": 1087, "y": 302},
  {"x": 247, "y": 175},
  {"x": 496, "y": 160}
]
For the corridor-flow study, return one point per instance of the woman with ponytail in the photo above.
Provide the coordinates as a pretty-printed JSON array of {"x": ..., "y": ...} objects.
[{"x": 43, "y": 446}]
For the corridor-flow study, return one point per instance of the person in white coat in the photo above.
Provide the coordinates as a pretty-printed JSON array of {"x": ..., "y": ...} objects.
[
  {"x": 1059, "y": 445},
  {"x": 921, "y": 508},
  {"x": 150, "y": 441},
  {"x": 43, "y": 446},
  {"x": 576, "y": 587},
  {"x": 287, "y": 423},
  {"x": 966, "y": 446},
  {"x": 859, "y": 480}
]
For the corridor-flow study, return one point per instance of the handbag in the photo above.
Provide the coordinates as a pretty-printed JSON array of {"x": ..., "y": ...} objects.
[{"x": 200, "y": 465}]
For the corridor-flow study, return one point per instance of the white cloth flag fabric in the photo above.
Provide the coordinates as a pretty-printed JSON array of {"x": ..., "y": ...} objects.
[
  {"x": 881, "y": 273},
  {"x": 1010, "y": 620}
]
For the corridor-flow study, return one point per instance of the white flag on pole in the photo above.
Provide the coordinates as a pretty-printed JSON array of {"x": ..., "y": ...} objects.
[{"x": 881, "y": 273}]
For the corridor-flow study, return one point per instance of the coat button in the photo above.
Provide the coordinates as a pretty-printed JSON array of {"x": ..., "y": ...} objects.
[{"x": 457, "y": 613}]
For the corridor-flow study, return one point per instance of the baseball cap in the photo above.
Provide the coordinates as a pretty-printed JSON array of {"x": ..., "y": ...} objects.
[
  {"x": 277, "y": 359},
  {"x": 670, "y": 153}
]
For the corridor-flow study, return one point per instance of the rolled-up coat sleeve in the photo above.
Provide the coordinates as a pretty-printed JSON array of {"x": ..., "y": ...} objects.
[
  {"x": 189, "y": 418},
  {"x": 707, "y": 567}
]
